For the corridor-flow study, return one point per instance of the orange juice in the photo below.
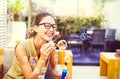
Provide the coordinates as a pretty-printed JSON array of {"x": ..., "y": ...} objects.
[
  {"x": 1, "y": 55},
  {"x": 1, "y": 52},
  {"x": 61, "y": 55}
]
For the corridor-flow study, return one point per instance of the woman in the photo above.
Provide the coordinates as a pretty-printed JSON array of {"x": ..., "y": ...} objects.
[{"x": 33, "y": 55}]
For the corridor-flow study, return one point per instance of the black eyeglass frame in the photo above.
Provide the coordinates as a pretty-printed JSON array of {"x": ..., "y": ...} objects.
[{"x": 48, "y": 26}]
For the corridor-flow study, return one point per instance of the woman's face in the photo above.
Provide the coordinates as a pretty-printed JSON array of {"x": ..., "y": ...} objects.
[{"x": 46, "y": 29}]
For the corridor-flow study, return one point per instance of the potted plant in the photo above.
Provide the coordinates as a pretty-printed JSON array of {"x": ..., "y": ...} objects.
[
  {"x": 15, "y": 7},
  {"x": 17, "y": 25}
]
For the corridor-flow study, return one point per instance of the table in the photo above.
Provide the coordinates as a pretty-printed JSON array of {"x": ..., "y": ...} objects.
[
  {"x": 76, "y": 44},
  {"x": 1, "y": 63},
  {"x": 109, "y": 65},
  {"x": 61, "y": 60},
  {"x": 1, "y": 70}
]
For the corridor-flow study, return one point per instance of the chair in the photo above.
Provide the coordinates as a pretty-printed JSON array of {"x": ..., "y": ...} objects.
[
  {"x": 111, "y": 35},
  {"x": 98, "y": 38},
  {"x": 110, "y": 40}
]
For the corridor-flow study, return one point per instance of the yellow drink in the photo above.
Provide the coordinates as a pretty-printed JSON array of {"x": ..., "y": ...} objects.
[{"x": 61, "y": 55}]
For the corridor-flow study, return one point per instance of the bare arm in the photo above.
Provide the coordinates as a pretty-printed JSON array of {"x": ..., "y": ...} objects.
[
  {"x": 53, "y": 63},
  {"x": 25, "y": 65}
]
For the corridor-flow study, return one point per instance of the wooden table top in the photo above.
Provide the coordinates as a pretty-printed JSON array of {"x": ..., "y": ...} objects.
[{"x": 109, "y": 55}]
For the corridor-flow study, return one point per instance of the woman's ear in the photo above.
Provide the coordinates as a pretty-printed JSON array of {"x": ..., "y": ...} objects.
[{"x": 35, "y": 28}]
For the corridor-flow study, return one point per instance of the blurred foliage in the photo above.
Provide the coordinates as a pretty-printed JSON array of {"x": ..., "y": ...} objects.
[
  {"x": 74, "y": 24},
  {"x": 15, "y": 7}
]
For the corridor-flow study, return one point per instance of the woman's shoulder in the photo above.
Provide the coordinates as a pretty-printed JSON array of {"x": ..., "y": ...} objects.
[
  {"x": 26, "y": 41},
  {"x": 25, "y": 45}
]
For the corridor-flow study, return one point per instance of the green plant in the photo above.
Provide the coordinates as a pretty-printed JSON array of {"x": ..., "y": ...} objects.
[
  {"x": 74, "y": 24},
  {"x": 15, "y": 7}
]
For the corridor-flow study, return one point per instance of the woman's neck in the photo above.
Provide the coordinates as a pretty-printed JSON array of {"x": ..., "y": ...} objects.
[{"x": 38, "y": 43}]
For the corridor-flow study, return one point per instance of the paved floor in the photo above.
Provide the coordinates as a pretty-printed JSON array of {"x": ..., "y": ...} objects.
[{"x": 86, "y": 72}]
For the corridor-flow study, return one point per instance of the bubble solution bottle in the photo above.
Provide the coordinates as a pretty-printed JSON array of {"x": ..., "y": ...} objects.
[{"x": 64, "y": 73}]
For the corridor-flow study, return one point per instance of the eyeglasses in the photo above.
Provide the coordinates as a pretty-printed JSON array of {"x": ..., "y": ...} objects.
[{"x": 48, "y": 26}]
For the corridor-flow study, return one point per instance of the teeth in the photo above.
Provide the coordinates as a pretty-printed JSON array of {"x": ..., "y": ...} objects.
[{"x": 50, "y": 34}]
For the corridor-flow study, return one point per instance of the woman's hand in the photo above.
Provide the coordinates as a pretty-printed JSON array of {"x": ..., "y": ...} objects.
[
  {"x": 67, "y": 76},
  {"x": 46, "y": 49},
  {"x": 117, "y": 55}
]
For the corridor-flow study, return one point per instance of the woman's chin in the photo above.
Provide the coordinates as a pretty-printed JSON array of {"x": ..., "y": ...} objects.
[{"x": 48, "y": 39}]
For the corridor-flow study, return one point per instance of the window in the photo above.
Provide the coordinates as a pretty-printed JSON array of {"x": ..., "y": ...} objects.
[{"x": 3, "y": 23}]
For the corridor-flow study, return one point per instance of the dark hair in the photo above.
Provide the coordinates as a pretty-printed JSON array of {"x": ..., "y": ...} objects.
[
  {"x": 37, "y": 20},
  {"x": 40, "y": 16}
]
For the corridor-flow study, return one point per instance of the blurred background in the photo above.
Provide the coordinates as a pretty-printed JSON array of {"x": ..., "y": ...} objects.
[{"x": 74, "y": 17}]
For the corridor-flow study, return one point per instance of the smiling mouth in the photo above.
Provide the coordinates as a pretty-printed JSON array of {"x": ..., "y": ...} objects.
[{"x": 49, "y": 35}]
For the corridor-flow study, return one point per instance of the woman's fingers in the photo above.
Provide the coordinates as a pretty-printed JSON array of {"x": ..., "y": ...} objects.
[
  {"x": 47, "y": 48},
  {"x": 68, "y": 76}
]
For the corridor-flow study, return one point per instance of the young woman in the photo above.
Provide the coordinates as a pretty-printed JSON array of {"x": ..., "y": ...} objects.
[{"x": 33, "y": 55}]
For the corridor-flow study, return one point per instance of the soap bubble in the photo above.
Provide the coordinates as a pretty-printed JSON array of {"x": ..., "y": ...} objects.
[
  {"x": 62, "y": 44},
  {"x": 83, "y": 36}
]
